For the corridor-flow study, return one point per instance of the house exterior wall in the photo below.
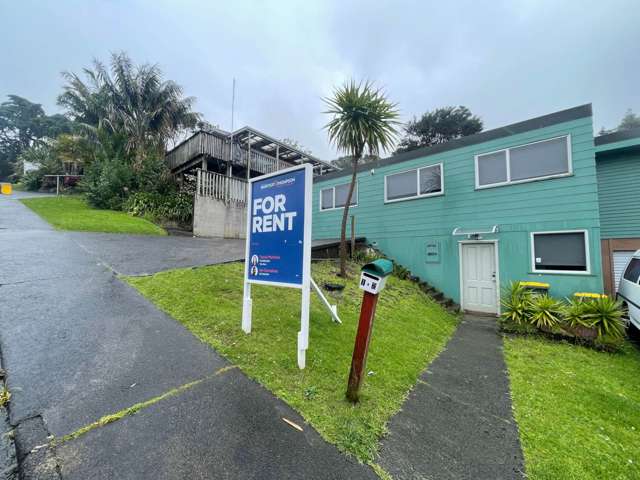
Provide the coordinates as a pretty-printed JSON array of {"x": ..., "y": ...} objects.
[
  {"x": 402, "y": 229},
  {"x": 618, "y": 180},
  {"x": 618, "y": 172}
]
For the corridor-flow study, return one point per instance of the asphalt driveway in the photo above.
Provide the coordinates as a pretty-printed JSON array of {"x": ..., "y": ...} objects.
[
  {"x": 79, "y": 344},
  {"x": 146, "y": 254}
]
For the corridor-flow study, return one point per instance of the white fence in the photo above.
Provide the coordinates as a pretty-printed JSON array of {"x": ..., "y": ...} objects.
[{"x": 221, "y": 187}]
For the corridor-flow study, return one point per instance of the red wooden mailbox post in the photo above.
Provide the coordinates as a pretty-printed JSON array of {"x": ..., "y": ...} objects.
[{"x": 372, "y": 280}]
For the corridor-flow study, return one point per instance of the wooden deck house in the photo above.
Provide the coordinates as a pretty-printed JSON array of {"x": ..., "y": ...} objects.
[
  {"x": 242, "y": 154},
  {"x": 222, "y": 163}
]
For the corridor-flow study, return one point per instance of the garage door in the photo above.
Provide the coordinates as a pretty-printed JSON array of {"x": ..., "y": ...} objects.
[{"x": 620, "y": 260}]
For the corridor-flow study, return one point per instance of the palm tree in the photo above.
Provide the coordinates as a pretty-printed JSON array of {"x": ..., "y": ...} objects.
[
  {"x": 363, "y": 121},
  {"x": 131, "y": 100}
]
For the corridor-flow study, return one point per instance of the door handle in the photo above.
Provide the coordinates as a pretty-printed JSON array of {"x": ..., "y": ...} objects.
[{"x": 493, "y": 276}]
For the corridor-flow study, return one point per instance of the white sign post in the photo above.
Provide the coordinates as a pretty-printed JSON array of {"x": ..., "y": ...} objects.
[{"x": 278, "y": 247}]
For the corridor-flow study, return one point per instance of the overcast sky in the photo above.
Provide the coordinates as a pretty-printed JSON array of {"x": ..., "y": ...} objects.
[{"x": 507, "y": 61}]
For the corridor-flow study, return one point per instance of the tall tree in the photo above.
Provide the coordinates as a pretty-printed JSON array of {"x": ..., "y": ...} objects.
[
  {"x": 345, "y": 161},
  {"x": 363, "y": 121},
  {"x": 629, "y": 121},
  {"x": 439, "y": 126},
  {"x": 132, "y": 100},
  {"x": 24, "y": 124}
]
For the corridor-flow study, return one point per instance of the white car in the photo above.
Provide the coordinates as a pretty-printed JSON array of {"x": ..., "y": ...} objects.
[{"x": 629, "y": 290}]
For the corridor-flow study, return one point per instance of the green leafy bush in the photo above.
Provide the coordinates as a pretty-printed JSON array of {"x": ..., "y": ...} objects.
[
  {"x": 113, "y": 176},
  {"x": 594, "y": 322},
  {"x": 107, "y": 183},
  {"x": 605, "y": 315},
  {"x": 171, "y": 206},
  {"x": 41, "y": 156},
  {"x": 366, "y": 255},
  {"x": 545, "y": 312},
  {"x": 32, "y": 181},
  {"x": 516, "y": 303},
  {"x": 400, "y": 271},
  {"x": 574, "y": 314}
]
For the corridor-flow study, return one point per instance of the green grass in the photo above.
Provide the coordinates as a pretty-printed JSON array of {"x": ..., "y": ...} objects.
[
  {"x": 73, "y": 213},
  {"x": 409, "y": 331},
  {"x": 578, "y": 410}
]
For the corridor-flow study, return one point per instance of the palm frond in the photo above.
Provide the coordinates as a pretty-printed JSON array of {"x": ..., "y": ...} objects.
[
  {"x": 135, "y": 102},
  {"x": 362, "y": 119}
]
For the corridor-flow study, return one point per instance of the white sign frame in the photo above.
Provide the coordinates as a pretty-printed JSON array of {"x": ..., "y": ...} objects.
[{"x": 247, "y": 302}]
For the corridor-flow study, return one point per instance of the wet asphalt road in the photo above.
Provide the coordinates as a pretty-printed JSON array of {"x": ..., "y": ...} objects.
[{"x": 78, "y": 344}]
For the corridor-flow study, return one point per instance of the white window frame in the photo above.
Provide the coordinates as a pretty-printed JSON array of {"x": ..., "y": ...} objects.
[
  {"x": 419, "y": 195},
  {"x": 333, "y": 189},
  {"x": 562, "y": 272},
  {"x": 524, "y": 180}
]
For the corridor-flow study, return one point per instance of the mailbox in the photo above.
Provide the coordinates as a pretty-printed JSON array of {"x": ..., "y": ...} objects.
[
  {"x": 372, "y": 279},
  {"x": 374, "y": 275}
]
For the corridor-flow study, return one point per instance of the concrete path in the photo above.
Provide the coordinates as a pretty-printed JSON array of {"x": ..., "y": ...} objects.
[
  {"x": 146, "y": 254},
  {"x": 79, "y": 344},
  {"x": 457, "y": 422}
]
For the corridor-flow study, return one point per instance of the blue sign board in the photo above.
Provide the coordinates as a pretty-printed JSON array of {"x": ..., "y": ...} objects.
[{"x": 276, "y": 228}]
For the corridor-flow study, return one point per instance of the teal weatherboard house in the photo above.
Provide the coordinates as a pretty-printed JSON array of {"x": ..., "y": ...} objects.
[
  {"x": 618, "y": 168},
  {"x": 519, "y": 202}
]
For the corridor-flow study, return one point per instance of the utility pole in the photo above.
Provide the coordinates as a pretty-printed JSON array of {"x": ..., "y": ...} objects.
[{"x": 233, "y": 106}]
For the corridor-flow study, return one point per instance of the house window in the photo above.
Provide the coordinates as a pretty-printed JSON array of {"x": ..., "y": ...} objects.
[
  {"x": 336, "y": 197},
  {"x": 419, "y": 182},
  {"x": 492, "y": 168},
  {"x": 544, "y": 159},
  {"x": 633, "y": 271},
  {"x": 560, "y": 252}
]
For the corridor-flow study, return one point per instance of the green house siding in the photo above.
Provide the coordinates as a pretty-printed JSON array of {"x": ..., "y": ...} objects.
[
  {"x": 402, "y": 229},
  {"x": 618, "y": 180}
]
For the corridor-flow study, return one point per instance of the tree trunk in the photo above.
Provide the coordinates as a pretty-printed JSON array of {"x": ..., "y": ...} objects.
[{"x": 345, "y": 216}]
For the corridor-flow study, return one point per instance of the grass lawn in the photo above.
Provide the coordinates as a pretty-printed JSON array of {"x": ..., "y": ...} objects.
[
  {"x": 410, "y": 330},
  {"x": 73, "y": 213},
  {"x": 578, "y": 410}
]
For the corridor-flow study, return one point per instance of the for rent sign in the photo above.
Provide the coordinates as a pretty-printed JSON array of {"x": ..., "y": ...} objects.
[
  {"x": 278, "y": 250},
  {"x": 277, "y": 222}
]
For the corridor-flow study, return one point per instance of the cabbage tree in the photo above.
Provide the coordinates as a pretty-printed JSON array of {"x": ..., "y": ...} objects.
[{"x": 363, "y": 122}]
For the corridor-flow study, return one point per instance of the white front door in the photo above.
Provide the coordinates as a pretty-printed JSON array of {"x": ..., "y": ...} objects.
[{"x": 479, "y": 277}]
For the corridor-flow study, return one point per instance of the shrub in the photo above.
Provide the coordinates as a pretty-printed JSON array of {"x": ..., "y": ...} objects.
[
  {"x": 516, "y": 300},
  {"x": 41, "y": 156},
  {"x": 400, "y": 271},
  {"x": 172, "y": 206},
  {"x": 107, "y": 183},
  {"x": 545, "y": 312},
  {"x": 597, "y": 323},
  {"x": 32, "y": 181},
  {"x": 605, "y": 315},
  {"x": 574, "y": 314},
  {"x": 366, "y": 255}
]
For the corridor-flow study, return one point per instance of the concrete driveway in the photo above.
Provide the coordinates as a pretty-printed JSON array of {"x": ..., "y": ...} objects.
[{"x": 79, "y": 344}]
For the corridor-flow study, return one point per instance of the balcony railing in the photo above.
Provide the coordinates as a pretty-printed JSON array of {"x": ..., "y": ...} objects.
[
  {"x": 221, "y": 187},
  {"x": 217, "y": 146}
]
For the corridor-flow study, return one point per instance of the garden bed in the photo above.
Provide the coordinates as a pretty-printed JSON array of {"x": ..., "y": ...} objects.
[{"x": 589, "y": 321}]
